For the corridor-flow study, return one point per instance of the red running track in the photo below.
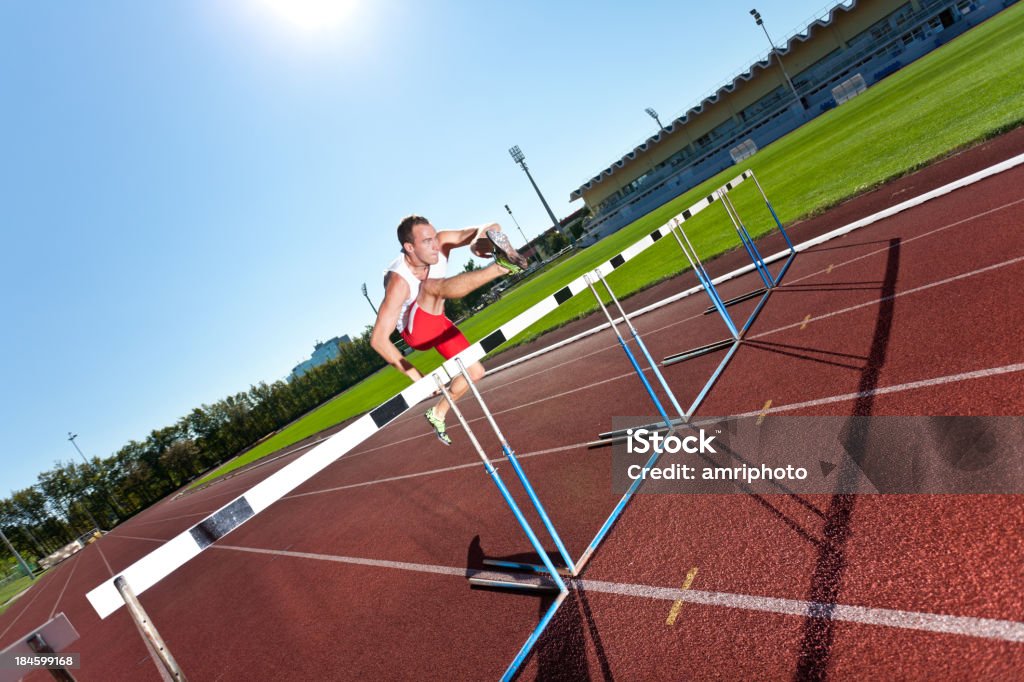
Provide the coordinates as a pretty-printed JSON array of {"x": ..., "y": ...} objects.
[{"x": 361, "y": 572}]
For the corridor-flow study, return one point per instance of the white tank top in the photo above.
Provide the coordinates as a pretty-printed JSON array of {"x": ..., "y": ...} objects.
[{"x": 401, "y": 268}]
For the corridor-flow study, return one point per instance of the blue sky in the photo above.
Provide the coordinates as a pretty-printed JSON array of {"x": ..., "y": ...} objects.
[{"x": 192, "y": 192}]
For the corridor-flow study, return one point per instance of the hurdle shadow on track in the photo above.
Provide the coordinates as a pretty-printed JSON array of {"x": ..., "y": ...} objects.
[
  {"x": 763, "y": 500},
  {"x": 561, "y": 653},
  {"x": 477, "y": 563},
  {"x": 849, "y": 245},
  {"x": 813, "y": 288},
  {"x": 803, "y": 353},
  {"x": 827, "y": 580}
]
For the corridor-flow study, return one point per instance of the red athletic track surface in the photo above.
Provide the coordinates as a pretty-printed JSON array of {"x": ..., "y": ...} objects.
[{"x": 289, "y": 595}]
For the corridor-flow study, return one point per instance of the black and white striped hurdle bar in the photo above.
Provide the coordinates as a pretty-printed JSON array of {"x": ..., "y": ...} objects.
[{"x": 161, "y": 562}]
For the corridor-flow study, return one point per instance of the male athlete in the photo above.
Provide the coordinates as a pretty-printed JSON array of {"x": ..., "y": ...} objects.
[{"x": 415, "y": 289}]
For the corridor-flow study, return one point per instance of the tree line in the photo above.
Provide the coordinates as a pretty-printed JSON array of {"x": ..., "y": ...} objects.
[{"x": 73, "y": 497}]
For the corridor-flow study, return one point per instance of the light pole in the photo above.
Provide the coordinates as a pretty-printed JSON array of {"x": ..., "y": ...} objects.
[
  {"x": 368, "y": 299},
  {"x": 520, "y": 158},
  {"x": 525, "y": 240},
  {"x": 760, "y": 22},
  {"x": 654, "y": 114}
]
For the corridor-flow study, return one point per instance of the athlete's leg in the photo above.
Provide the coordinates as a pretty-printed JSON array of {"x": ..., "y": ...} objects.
[
  {"x": 434, "y": 292},
  {"x": 459, "y": 388}
]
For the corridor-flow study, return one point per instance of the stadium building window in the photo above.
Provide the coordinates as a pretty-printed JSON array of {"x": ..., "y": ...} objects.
[{"x": 903, "y": 15}]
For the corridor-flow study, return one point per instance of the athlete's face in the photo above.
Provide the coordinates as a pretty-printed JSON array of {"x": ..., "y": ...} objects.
[{"x": 424, "y": 247}]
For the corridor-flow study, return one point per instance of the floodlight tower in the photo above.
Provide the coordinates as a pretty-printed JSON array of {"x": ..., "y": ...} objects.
[
  {"x": 760, "y": 22},
  {"x": 111, "y": 500},
  {"x": 368, "y": 299},
  {"x": 520, "y": 158},
  {"x": 654, "y": 114},
  {"x": 72, "y": 437}
]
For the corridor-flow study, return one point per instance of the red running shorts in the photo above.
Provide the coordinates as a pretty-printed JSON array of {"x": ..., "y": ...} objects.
[{"x": 426, "y": 331}]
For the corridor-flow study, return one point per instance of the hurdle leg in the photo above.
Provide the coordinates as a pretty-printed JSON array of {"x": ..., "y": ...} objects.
[
  {"x": 624, "y": 500},
  {"x": 771, "y": 210},
  {"x": 514, "y": 461},
  {"x": 147, "y": 629},
  {"x": 640, "y": 343},
  {"x": 524, "y": 651},
  {"x": 629, "y": 354},
  {"x": 782, "y": 229},
  {"x": 702, "y": 276},
  {"x": 748, "y": 243},
  {"x": 493, "y": 473}
]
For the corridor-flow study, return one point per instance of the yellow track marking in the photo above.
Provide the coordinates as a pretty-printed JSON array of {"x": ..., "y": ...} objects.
[{"x": 678, "y": 604}]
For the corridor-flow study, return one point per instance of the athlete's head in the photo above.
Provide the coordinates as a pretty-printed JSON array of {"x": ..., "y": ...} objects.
[{"x": 418, "y": 239}]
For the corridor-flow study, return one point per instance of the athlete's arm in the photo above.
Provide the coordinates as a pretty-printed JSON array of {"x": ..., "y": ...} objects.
[{"x": 395, "y": 291}]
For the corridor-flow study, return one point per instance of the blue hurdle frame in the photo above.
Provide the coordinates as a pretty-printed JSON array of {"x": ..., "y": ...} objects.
[
  {"x": 670, "y": 424},
  {"x": 736, "y": 334},
  {"x": 769, "y": 280},
  {"x": 514, "y": 461},
  {"x": 574, "y": 568},
  {"x": 563, "y": 590}
]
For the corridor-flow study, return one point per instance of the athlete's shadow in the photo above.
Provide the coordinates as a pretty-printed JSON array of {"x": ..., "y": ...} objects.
[
  {"x": 561, "y": 651},
  {"x": 830, "y": 569}
]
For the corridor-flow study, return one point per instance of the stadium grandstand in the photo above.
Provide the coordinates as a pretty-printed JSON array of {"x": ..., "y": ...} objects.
[{"x": 855, "y": 45}]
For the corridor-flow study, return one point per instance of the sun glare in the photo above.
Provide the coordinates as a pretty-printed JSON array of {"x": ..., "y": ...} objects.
[{"x": 312, "y": 15}]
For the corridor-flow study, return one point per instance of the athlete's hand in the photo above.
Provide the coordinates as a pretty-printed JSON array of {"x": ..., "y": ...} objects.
[{"x": 481, "y": 245}]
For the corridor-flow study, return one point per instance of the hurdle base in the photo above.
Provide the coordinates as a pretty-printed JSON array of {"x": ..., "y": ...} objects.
[
  {"x": 737, "y": 299},
  {"x": 697, "y": 352},
  {"x": 657, "y": 426},
  {"x": 513, "y": 581},
  {"x": 535, "y": 568}
]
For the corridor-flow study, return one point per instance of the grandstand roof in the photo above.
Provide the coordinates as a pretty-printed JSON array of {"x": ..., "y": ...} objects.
[{"x": 747, "y": 75}]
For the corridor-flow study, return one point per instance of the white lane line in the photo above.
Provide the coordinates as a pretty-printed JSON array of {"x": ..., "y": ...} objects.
[
  {"x": 907, "y": 240},
  {"x": 985, "y": 628},
  {"x": 74, "y": 567},
  {"x": 430, "y": 435},
  {"x": 909, "y": 386},
  {"x": 876, "y": 301},
  {"x": 136, "y": 537},
  {"x": 175, "y": 518},
  {"x": 431, "y": 472},
  {"x": 376, "y": 563},
  {"x": 806, "y": 321},
  {"x": 843, "y": 397},
  {"x": 968, "y": 626},
  {"x": 104, "y": 557}
]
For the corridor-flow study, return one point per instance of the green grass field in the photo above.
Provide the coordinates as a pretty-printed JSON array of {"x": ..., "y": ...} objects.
[
  {"x": 11, "y": 589},
  {"x": 962, "y": 93}
]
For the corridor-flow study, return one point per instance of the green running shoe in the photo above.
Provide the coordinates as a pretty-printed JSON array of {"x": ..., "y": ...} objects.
[
  {"x": 512, "y": 268},
  {"x": 438, "y": 425}
]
